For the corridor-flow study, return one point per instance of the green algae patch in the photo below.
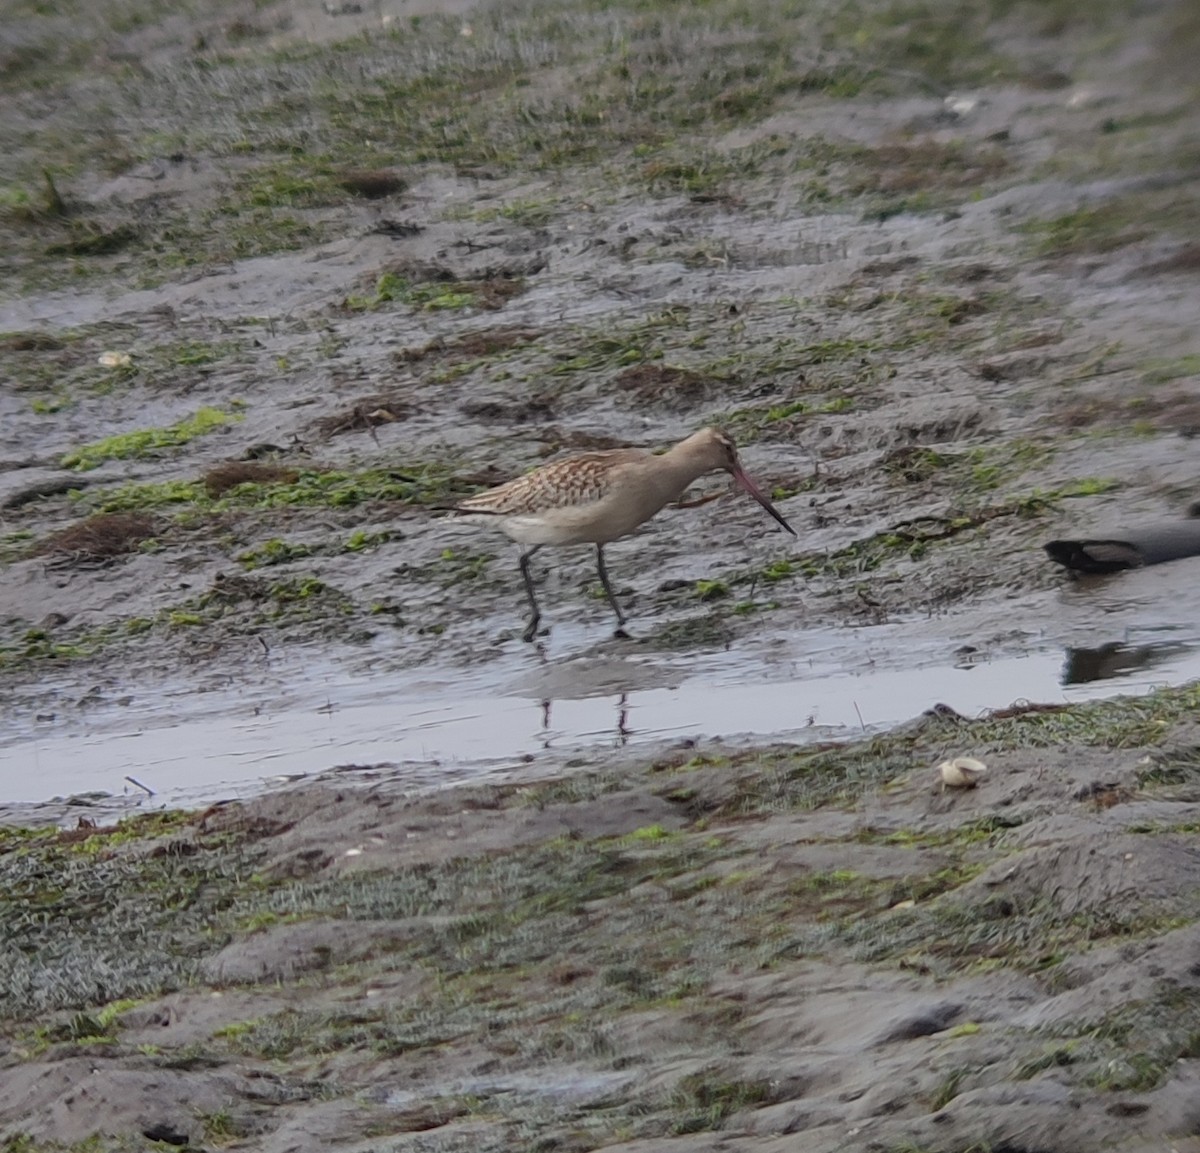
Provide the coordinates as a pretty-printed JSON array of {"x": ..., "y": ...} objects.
[
  {"x": 421, "y": 483},
  {"x": 22, "y": 647},
  {"x": 146, "y": 441}
]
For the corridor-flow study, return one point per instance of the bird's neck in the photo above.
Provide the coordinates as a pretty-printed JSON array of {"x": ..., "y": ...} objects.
[{"x": 679, "y": 467}]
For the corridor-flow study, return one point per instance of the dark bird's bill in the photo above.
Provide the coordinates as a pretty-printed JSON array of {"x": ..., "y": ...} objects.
[{"x": 749, "y": 486}]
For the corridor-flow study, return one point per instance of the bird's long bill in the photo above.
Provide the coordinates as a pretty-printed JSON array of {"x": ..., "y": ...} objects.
[{"x": 746, "y": 483}]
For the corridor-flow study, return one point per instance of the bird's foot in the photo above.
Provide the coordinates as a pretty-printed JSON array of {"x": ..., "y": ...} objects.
[{"x": 619, "y": 634}]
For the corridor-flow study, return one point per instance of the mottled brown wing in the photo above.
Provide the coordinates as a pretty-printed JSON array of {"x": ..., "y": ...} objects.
[{"x": 574, "y": 481}]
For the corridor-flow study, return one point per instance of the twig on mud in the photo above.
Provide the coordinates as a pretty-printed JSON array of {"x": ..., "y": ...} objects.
[
  {"x": 946, "y": 526},
  {"x": 79, "y": 559},
  {"x": 474, "y": 246},
  {"x": 699, "y": 500},
  {"x": 397, "y": 228},
  {"x": 867, "y": 599}
]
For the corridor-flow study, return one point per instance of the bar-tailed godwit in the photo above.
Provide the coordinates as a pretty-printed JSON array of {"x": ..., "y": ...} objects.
[{"x": 598, "y": 497}]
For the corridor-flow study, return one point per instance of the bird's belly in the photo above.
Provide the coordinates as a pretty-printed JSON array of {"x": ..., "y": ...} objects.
[{"x": 582, "y": 524}]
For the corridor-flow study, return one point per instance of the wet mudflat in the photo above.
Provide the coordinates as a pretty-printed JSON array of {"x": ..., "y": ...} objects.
[
  {"x": 282, "y": 283},
  {"x": 714, "y": 948}
]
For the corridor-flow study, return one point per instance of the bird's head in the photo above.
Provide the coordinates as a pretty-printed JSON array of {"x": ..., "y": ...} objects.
[{"x": 718, "y": 448}]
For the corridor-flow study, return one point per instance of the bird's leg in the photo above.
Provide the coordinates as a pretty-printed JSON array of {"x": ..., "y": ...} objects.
[
  {"x": 612, "y": 600},
  {"x": 531, "y": 628}
]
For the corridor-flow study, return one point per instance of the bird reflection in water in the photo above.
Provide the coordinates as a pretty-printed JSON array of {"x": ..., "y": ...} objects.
[
  {"x": 623, "y": 731},
  {"x": 1116, "y": 659}
]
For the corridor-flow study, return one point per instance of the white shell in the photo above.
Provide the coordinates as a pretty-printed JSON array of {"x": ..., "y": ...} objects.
[
  {"x": 961, "y": 105},
  {"x": 961, "y": 772},
  {"x": 115, "y": 360}
]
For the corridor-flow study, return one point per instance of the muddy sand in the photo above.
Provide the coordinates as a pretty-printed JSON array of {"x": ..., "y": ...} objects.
[{"x": 281, "y": 282}]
